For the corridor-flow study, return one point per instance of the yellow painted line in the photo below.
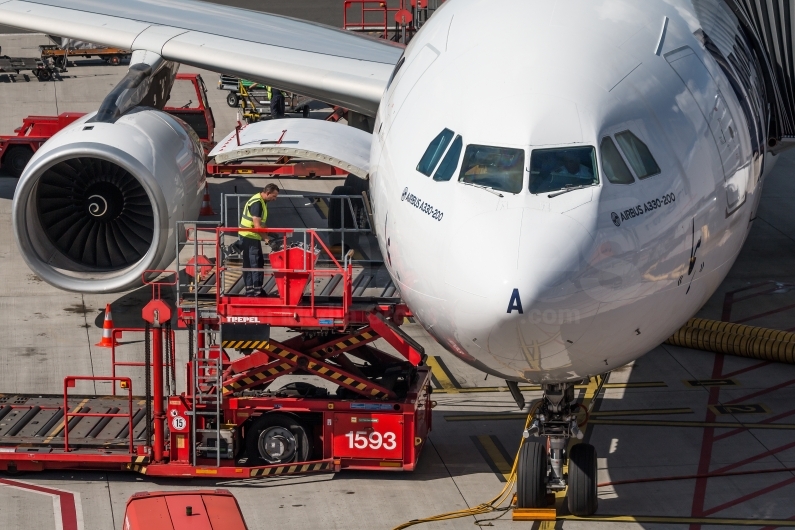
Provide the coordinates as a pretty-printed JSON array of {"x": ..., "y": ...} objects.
[
  {"x": 63, "y": 422},
  {"x": 590, "y": 390},
  {"x": 718, "y": 424},
  {"x": 679, "y": 520},
  {"x": 537, "y": 388},
  {"x": 519, "y": 416},
  {"x": 441, "y": 375},
  {"x": 495, "y": 455},
  {"x": 640, "y": 412}
]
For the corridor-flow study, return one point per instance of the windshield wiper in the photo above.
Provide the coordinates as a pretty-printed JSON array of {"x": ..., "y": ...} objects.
[
  {"x": 481, "y": 186},
  {"x": 561, "y": 192}
]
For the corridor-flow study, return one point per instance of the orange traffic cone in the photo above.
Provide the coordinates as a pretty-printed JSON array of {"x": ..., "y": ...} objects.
[
  {"x": 108, "y": 341},
  {"x": 207, "y": 208}
]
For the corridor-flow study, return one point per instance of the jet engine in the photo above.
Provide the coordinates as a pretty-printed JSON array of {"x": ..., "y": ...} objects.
[{"x": 97, "y": 205}]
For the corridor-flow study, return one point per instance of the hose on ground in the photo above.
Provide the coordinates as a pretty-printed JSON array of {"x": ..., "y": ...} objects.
[
  {"x": 736, "y": 339},
  {"x": 486, "y": 507}
]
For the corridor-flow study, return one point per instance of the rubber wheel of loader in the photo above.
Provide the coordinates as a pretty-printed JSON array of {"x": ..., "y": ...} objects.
[
  {"x": 582, "y": 497},
  {"x": 231, "y": 99},
  {"x": 276, "y": 439},
  {"x": 531, "y": 476},
  {"x": 16, "y": 159}
]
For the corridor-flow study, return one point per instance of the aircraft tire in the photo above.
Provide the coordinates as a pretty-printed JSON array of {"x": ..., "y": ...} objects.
[
  {"x": 531, "y": 476},
  {"x": 582, "y": 497},
  {"x": 16, "y": 159}
]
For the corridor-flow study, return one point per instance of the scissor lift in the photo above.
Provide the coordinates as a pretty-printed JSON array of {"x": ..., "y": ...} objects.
[
  {"x": 371, "y": 409},
  {"x": 373, "y": 412}
]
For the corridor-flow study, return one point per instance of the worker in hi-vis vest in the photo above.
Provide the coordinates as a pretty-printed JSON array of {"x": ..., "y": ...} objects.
[
  {"x": 255, "y": 212},
  {"x": 276, "y": 98}
]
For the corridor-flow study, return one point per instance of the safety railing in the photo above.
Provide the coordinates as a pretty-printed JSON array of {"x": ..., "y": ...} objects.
[
  {"x": 366, "y": 20},
  {"x": 70, "y": 381},
  {"x": 376, "y": 16},
  {"x": 292, "y": 267},
  {"x": 197, "y": 239},
  {"x": 117, "y": 333},
  {"x": 346, "y": 216}
]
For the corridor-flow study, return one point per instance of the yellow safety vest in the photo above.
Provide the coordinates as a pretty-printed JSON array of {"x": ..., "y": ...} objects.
[{"x": 246, "y": 221}]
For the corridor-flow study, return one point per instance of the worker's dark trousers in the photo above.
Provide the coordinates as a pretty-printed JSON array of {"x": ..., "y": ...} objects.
[{"x": 252, "y": 259}]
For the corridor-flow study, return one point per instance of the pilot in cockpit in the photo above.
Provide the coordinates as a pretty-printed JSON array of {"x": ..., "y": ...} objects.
[{"x": 572, "y": 168}]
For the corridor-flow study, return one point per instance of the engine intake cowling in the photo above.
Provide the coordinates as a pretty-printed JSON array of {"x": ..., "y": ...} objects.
[{"x": 97, "y": 205}]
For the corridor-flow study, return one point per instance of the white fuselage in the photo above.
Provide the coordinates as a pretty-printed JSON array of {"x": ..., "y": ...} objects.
[{"x": 541, "y": 288}]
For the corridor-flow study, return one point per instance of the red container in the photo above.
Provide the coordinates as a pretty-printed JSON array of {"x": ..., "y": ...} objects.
[{"x": 285, "y": 263}]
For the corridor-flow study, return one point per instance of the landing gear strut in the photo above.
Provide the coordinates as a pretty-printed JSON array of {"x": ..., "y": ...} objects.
[{"x": 544, "y": 455}]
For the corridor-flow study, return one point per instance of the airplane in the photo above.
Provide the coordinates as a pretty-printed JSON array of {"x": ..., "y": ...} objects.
[{"x": 557, "y": 186}]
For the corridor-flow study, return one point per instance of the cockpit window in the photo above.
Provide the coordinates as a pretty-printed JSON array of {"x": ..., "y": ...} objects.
[
  {"x": 558, "y": 169},
  {"x": 613, "y": 165},
  {"x": 450, "y": 161},
  {"x": 434, "y": 152},
  {"x": 638, "y": 155},
  {"x": 500, "y": 168}
]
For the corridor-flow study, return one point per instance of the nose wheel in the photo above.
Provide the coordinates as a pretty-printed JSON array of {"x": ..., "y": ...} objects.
[
  {"x": 531, "y": 476},
  {"x": 582, "y": 480},
  {"x": 544, "y": 455}
]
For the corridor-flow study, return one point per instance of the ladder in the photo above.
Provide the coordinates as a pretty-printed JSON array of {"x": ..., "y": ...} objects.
[
  {"x": 206, "y": 370},
  {"x": 207, "y": 398}
]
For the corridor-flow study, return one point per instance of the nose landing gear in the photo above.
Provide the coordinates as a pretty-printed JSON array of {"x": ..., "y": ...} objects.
[{"x": 544, "y": 454}]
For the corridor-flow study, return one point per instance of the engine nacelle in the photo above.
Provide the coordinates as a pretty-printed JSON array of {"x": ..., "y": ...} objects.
[{"x": 97, "y": 205}]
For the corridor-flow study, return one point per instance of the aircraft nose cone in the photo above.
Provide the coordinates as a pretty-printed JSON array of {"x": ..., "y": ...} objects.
[{"x": 518, "y": 306}]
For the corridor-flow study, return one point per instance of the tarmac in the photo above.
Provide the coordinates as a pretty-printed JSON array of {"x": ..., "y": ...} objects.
[{"x": 684, "y": 437}]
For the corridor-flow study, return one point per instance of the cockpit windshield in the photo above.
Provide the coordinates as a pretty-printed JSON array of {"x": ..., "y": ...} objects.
[
  {"x": 500, "y": 168},
  {"x": 562, "y": 168}
]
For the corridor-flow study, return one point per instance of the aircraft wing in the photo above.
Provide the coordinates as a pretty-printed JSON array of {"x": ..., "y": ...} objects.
[{"x": 319, "y": 61}]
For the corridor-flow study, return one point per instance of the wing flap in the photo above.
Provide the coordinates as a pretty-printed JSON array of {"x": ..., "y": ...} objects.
[
  {"x": 100, "y": 29},
  {"x": 311, "y": 59},
  {"x": 350, "y": 83}
]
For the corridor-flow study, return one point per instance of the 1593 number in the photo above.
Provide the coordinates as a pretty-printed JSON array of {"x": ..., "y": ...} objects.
[{"x": 373, "y": 440}]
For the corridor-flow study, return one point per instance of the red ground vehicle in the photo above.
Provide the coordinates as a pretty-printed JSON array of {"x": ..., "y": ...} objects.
[
  {"x": 188, "y": 91},
  {"x": 229, "y": 423},
  {"x": 15, "y": 151},
  {"x": 188, "y": 102},
  {"x": 183, "y": 510}
]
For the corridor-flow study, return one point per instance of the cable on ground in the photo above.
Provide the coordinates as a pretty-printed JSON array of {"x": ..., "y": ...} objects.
[{"x": 487, "y": 507}]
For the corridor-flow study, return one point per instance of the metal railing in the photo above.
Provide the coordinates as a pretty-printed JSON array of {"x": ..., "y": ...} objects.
[
  {"x": 351, "y": 209},
  {"x": 365, "y": 22},
  {"x": 311, "y": 245},
  {"x": 376, "y": 16},
  {"x": 117, "y": 332},
  {"x": 69, "y": 382}
]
